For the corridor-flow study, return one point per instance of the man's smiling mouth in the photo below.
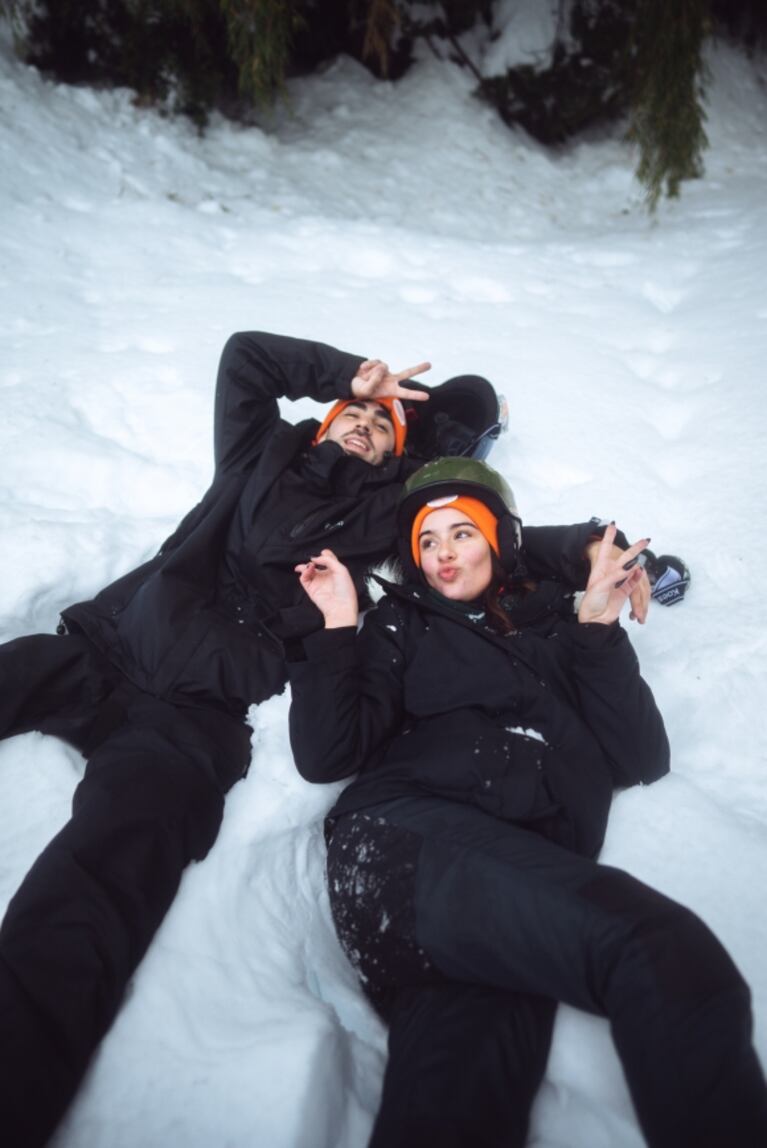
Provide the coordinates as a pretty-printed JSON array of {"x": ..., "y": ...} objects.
[{"x": 357, "y": 440}]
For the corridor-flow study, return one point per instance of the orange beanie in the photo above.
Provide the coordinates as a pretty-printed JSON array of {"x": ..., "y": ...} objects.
[
  {"x": 476, "y": 511},
  {"x": 393, "y": 406}
]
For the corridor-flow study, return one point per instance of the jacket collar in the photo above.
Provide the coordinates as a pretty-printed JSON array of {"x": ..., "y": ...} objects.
[
  {"x": 424, "y": 600},
  {"x": 293, "y": 440},
  {"x": 326, "y": 469}
]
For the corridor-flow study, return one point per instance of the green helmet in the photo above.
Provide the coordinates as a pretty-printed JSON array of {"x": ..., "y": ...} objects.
[{"x": 467, "y": 476}]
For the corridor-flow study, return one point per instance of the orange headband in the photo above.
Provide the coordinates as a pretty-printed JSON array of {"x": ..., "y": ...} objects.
[
  {"x": 393, "y": 406},
  {"x": 483, "y": 519}
]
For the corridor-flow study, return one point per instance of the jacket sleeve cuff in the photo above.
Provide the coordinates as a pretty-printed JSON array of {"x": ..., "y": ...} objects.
[
  {"x": 344, "y": 384},
  {"x": 336, "y": 648},
  {"x": 597, "y": 635}
]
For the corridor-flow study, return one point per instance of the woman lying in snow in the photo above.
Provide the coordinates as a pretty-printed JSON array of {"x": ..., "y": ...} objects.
[{"x": 489, "y": 725}]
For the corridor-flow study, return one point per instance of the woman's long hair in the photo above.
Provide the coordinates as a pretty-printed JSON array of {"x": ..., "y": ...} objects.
[{"x": 497, "y": 617}]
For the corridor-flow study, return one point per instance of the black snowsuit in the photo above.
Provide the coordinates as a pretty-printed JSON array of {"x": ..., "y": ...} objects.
[
  {"x": 151, "y": 681},
  {"x": 463, "y": 855}
]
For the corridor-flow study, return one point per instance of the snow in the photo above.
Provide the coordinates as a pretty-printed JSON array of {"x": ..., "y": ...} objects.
[
  {"x": 524, "y": 31},
  {"x": 402, "y": 222}
]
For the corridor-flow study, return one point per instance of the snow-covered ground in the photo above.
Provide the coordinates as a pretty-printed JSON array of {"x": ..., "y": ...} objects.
[{"x": 403, "y": 222}]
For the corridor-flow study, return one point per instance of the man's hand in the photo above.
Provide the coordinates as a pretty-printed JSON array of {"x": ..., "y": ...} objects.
[
  {"x": 612, "y": 580},
  {"x": 374, "y": 380},
  {"x": 329, "y": 585},
  {"x": 640, "y": 595}
]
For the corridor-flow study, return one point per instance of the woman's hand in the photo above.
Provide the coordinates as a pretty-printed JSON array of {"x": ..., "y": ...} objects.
[
  {"x": 374, "y": 380},
  {"x": 610, "y": 583},
  {"x": 640, "y": 595},
  {"x": 329, "y": 585}
]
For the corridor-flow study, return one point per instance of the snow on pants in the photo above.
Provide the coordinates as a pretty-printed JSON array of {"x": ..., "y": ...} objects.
[
  {"x": 150, "y": 801},
  {"x": 430, "y": 894}
]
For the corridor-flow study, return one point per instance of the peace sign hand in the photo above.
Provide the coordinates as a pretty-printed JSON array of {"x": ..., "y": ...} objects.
[
  {"x": 374, "y": 380},
  {"x": 612, "y": 581}
]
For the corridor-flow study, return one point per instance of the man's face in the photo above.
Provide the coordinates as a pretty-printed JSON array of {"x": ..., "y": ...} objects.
[{"x": 363, "y": 429}]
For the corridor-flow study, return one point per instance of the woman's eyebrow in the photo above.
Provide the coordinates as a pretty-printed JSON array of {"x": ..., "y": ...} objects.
[{"x": 452, "y": 526}]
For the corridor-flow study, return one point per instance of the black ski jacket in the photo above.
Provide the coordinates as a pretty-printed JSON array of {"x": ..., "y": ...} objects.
[
  {"x": 537, "y": 727},
  {"x": 166, "y": 624},
  {"x": 200, "y": 624}
]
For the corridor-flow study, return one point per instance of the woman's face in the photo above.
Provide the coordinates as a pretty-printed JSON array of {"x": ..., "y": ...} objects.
[{"x": 456, "y": 558}]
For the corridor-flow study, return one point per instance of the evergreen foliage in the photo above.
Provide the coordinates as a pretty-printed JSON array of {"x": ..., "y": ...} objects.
[
  {"x": 668, "y": 115},
  {"x": 188, "y": 55},
  {"x": 260, "y": 36},
  {"x": 380, "y": 26},
  {"x": 610, "y": 58}
]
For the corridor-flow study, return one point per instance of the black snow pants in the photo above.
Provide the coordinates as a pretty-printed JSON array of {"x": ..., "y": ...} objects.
[
  {"x": 455, "y": 919},
  {"x": 150, "y": 801}
]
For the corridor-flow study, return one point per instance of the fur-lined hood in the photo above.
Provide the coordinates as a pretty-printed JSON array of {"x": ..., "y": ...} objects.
[{"x": 390, "y": 571}]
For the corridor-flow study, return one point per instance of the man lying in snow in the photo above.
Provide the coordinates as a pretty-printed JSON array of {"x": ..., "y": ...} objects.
[{"x": 152, "y": 679}]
